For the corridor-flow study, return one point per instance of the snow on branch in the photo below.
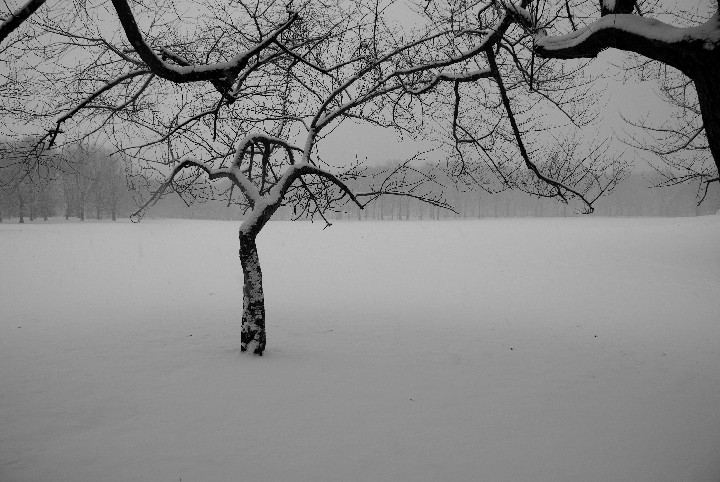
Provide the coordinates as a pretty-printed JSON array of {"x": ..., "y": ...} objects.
[
  {"x": 450, "y": 77},
  {"x": 8, "y": 25},
  {"x": 227, "y": 71},
  {"x": 211, "y": 173},
  {"x": 259, "y": 137},
  {"x": 517, "y": 10},
  {"x": 296, "y": 171},
  {"x": 241, "y": 175},
  {"x": 648, "y": 37}
]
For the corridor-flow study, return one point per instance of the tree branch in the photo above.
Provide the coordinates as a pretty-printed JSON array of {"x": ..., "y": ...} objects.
[
  {"x": 648, "y": 37},
  {"x": 212, "y": 175},
  {"x": 108, "y": 86},
  {"x": 18, "y": 17},
  {"x": 521, "y": 145},
  {"x": 227, "y": 71}
]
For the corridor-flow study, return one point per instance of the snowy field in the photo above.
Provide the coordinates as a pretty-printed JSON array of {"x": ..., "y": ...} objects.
[{"x": 578, "y": 349}]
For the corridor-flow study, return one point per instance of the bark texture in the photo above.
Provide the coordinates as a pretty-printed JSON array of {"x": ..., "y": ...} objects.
[{"x": 253, "y": 320}]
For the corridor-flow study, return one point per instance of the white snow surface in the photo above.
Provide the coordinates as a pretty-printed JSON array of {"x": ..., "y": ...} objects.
[{"x": 578, "y": 349}]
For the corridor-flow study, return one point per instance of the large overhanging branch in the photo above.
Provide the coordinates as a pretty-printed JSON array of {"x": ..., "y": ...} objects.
[
  {"x": 226, "y": 71},
  {"x": 648, "y": 37},
  {"x": 450, "y": 77},
  {"x": 266, "y": 139},
  {"x": 221, "y": 85},
  {"x": 16, "y": 18}
]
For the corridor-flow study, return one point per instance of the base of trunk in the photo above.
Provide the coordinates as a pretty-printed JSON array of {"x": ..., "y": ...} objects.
[{"x": 253, "y": 336}]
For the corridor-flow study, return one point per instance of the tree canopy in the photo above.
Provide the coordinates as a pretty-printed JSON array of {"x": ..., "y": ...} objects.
[{"x": 176, "y": 83}]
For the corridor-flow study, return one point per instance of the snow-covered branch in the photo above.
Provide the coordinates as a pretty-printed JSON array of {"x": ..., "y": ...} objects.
[
  {"x": 15, "y": 19},
  {"x": 226, "y": 71},
  {"x": 296, "y": 171},
  {"x": 451, "y": 77},
  {"x": 645, "y": 36},
  {"x": 211, "y": 173}
]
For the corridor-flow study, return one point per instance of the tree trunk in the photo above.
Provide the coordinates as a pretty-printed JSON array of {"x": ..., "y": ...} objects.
[
  {"x": 253, "y": 319},
  {"x": 707, "y": 79}
]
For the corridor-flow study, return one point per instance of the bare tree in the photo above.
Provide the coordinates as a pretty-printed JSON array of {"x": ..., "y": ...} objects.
[
  {"x": 28, "y": 174},
  {"x": 248, "y": 99},
  {"x": 337, "y": 75},
  {"x": 81, "y": 171}
]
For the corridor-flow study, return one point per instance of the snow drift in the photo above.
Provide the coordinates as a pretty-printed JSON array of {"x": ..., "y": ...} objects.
[{"x": 502, "y": 350}]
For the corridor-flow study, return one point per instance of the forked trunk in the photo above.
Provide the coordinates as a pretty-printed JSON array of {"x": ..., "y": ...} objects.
[{"x": 253, "y": 319}]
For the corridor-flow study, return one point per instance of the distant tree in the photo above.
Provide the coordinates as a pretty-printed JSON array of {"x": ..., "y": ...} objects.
[
  {"x": 26, "y": 178},
  {"x": 80, "y": 170},
  {"x": 116, "y": 187}
]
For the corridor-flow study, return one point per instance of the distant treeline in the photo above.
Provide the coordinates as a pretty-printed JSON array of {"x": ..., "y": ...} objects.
[
  {"x": 79, "y": 182},
  {"x": 92, "y": 185},
  {"x": 635, "y": 196}
]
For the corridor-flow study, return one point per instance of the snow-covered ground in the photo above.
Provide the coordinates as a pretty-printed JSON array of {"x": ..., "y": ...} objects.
[{"x": 578, "y": 349}]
